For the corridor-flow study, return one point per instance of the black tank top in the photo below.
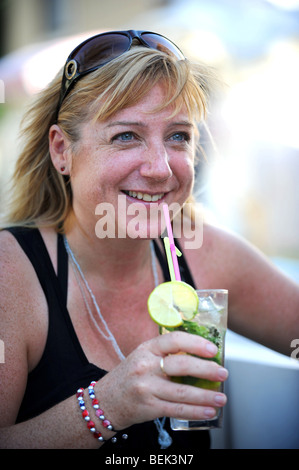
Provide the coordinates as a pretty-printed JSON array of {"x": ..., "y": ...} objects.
[{"x": 64, "y": 368}]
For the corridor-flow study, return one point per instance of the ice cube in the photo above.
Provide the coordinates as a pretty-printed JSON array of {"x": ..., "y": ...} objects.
[{"x": 209, "y": 312}]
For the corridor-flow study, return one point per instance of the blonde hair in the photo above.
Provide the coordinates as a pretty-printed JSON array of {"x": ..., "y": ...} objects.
[{"x": 40, "y": 195}]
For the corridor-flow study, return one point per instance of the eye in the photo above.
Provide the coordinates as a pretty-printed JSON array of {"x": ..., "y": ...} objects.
[
  {"x": 124, "y": 137},
  {"x": 180, "y": 137}
]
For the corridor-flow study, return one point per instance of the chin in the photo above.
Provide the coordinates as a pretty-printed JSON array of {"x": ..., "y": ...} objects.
[{"x": 144, "y": 229}]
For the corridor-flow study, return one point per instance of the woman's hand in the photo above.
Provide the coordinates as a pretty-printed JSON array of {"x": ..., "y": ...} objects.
[{"x": 138, "y": 390}]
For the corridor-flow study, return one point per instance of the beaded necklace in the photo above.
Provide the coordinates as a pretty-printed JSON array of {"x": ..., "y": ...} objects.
[{"x": 164, "y": 438}]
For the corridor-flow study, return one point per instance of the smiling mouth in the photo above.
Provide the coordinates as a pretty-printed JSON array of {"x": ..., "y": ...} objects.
[{"x": 144, "y": 196}]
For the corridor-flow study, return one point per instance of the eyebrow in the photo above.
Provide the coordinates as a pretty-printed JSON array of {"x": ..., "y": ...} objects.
[
  {"x": 182, "y": 123},
  {"x": 141, "y": 124},
  {"x": 126, "y": 123}
]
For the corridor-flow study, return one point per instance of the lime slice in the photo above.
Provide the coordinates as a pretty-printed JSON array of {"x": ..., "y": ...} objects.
[{"x": 172, "y": 302}]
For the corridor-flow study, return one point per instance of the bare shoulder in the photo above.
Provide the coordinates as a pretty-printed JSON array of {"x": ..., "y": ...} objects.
[
  {"x": 13, "y": 263},
  {"x": 219, "y": 257},
  {"x": 230, "y": 260},
  {"x": 23, "y": 308},
  {"x": 16, "y": 269}
]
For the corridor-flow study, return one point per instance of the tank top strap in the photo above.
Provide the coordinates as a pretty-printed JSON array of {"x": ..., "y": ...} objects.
[
  {"x": 184, "y": 268},
  {"x": 162, "y": 261},
  {"x": 62, "y": 266}
]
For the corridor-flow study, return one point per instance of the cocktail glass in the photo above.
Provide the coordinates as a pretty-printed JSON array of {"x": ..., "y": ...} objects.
[{"x": 210, "y": 322}]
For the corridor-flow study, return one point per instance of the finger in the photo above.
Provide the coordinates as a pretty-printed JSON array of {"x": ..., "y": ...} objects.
[
  {"x": 189, "y": 412},
  {"x": 177, "y": 341},
  {"x": 186, "y": 394},
  {"x": 185, "y": 365}
]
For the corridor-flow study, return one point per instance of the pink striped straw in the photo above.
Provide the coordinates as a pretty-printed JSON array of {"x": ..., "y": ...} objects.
[{"x": 171, "y": 242}]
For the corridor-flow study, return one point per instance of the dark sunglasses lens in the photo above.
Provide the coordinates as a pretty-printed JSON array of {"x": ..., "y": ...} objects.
[
  {"x": 100, "y": 50},
  {"x": 160, "y": 43}
]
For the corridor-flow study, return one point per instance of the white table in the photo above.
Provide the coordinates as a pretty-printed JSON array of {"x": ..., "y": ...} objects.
[{"x": 263, "y": 398}]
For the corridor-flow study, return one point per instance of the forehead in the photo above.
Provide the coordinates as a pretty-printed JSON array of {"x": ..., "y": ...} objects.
[{"x": 151, "y": 107}]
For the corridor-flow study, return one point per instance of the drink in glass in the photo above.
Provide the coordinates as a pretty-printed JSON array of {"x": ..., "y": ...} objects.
[{"x": 209, "y": 322}]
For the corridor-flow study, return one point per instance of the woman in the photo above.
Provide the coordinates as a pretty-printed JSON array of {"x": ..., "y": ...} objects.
[{"x": 124, "y": 129}]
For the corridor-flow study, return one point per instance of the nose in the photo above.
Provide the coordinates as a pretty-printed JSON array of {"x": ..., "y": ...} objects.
[{"x": 156, "y": 164}]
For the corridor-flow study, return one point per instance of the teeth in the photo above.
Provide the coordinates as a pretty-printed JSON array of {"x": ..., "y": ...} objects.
[{"x": 146, "y": 197}]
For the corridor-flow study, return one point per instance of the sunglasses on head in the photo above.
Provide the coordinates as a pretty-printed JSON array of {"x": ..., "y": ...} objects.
[{"x": 98, "y": 50}]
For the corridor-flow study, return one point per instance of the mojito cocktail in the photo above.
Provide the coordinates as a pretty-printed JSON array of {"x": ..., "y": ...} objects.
[
  {"x": 210, "y": 322},
  {"x": 177, "y": 306}
]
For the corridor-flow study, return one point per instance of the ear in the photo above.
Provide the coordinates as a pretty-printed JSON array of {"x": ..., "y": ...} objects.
[{"x": 59, "y": 148}]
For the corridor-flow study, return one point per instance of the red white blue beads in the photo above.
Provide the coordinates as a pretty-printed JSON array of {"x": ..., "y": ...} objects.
[
  {"x": 98, "y": 411},
  {"x": 85, "y": 415}
]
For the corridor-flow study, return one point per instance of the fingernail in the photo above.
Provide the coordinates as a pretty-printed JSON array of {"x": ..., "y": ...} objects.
[
  {"x": 209, "y": 412},
  {"x": 211, "y": 348},
  {"x": 222, "y": 373},
  {"x": 220, "y": 399}
]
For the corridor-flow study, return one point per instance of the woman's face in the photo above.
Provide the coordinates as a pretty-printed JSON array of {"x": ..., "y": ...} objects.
[{"x": 129, "y": 165}]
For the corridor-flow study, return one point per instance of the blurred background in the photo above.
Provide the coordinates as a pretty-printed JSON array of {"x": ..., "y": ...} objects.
[{"x": 249, "y": 182}]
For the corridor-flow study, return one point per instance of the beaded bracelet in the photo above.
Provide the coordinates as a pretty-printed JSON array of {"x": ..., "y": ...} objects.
[
  {"x": 98, "y": 411},
  {"x": 85, "y": 415}
]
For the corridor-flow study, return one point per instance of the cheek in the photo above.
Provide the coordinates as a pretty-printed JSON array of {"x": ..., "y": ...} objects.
[
  {"x": 84, "y": 179},
  {"x": 185, "y": 172},
  {"x": 95, "y": 184}
]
